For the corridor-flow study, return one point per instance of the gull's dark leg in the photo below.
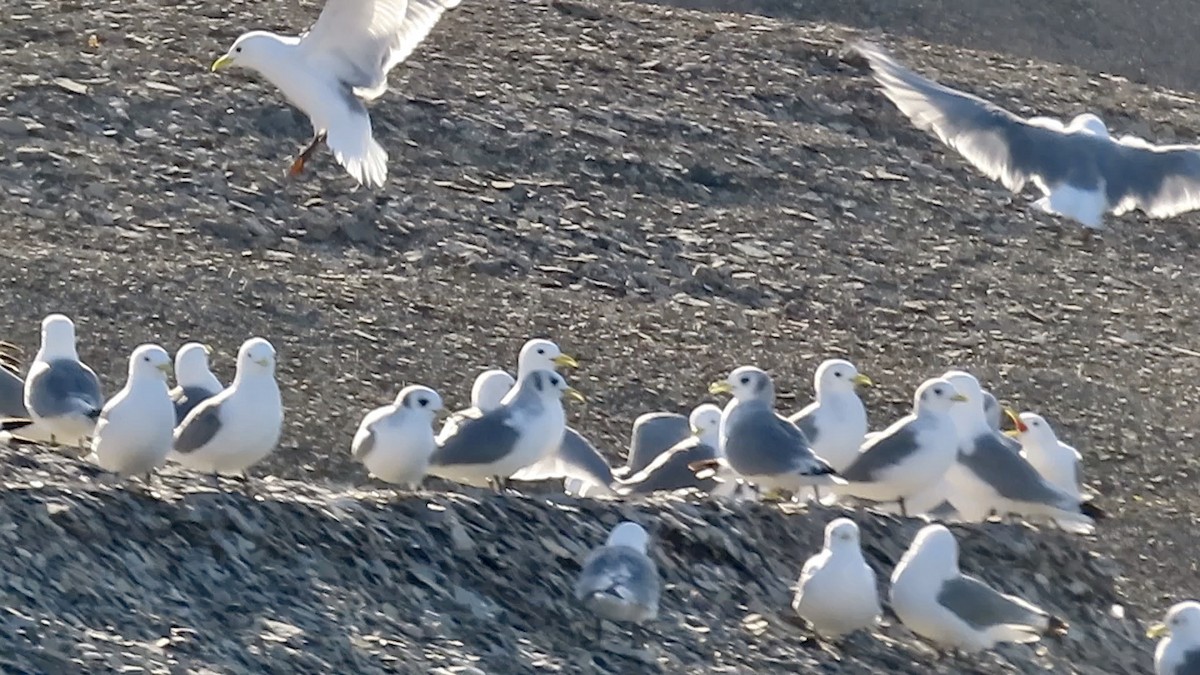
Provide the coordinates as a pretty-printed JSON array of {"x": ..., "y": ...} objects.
[{"x": 306, "y": 154}]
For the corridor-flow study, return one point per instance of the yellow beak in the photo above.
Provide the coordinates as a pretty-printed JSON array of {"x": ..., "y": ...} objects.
[
  {"x": 263, "y": 362},
  {"x": 862, "y": 380},
  {"x": 721, "y": 387},
  {"x": 164, "y": 367},
  {"x": 565, "y": 361},
  {"x": 695, "y": 431},
  {"x": 573, "y": 394},
  {"x": 1157, "y": 630},
  {"x": 223, "y": 62},
  {"x": 959, "y": 398},
  {"x": 1012, "y": 433},
  {"x": 207, "y": 350}
]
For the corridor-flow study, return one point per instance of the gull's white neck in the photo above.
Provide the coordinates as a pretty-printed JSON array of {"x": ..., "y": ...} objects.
[{"x": 55, "y": 348}]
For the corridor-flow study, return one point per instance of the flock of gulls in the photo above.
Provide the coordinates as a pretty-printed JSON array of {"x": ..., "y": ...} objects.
[{"x": 948, "y": 460}]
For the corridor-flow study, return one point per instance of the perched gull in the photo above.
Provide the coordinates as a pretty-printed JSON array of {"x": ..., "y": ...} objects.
[
  {"x": 669, "y": 470},
  {"x": 195, "y": 382},
  {"x": 1055, "y": 460},
  {"x": 62, "y": 394},
  {"x": 394, "y": 442},
  {"x": 136, "y": 427},
  {"x": 911, "y": 454},
  {"x": 955, "y": 611},
  {"x": 487, "y": 392},
  {"x": 524, "y": 429},
  {"x": 619, "y": 581},
  {"x": 237, "y": 428},
  {"x": 837, "y": 592},
  {"x": 759, "y": 445},
  {"x": 653, "y": 434},
  {"x": 836, "y": 422},
  {"x": 1082, "y": 170},
  {"x": 340, "y": 63},
  {"x": 990, "y": 476},
  {"x": 1178, "y": 652}
]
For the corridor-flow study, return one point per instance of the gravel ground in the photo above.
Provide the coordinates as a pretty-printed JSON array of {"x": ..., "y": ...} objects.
[{"x": 666, "y": 193}]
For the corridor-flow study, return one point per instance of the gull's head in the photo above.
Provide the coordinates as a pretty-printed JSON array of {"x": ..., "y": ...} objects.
[
  {"x": 1182, "y": 621},
  {"x": 705, "y": 421},
  {"x": 1091, "y": 124},
  {"x": 1034, "y": 428},
  {"x": 548, "y": 384},
  {"x": 629, "y": 535},
  {"x": 937, "y": 549},
  {"x": 420, "y": 399},
  {"x": 838, "y": 376},
  {"x": 937, "y": 395},
  {"x": 746, "y": 383},
  {"x": 150, "y": 361},
  {"x": 256, "y": 356},
  {"x": 191, "y": 363},
  {"x": 257, "y": 50},
  {"x": 970, "y": 415},
  {"x": 541, "y": 354},
  {"x": 489, "y": 389},
  {"x": 841, "y": 533},
  {"x": 58, "y": 335}
]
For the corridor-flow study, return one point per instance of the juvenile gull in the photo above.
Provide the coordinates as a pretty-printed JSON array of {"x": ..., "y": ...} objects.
[
  {"x": 1178, "y": 651},
  {"x": 619, "y": 581},
  {"x": 1080, "y": 169},
  {"x": 340, "y": 63},
  {"x": 486, "y": 393},
  {"x": 524, "y": 429},
  {"x": 837, "y": 592},
  {"x": 195, "y": 382},
  {"x": 133, "y": 436},
  {"x": 836, "y": 422},
  {"x": 234, "y": 430},
  {"x": 910, "y": 455},
  {"x": 394, "y": 442},
  {"x": 653, "y": 434},
  {"x": 669, "y": 470},
  {"x": 989, "y": 476},
  {"x": 62, "y": 395},
  {"x": 956, "y": 611},
  {"x": 758, "y": 444}
]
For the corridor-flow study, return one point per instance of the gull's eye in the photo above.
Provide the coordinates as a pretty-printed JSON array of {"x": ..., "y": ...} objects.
[
  {"x": 938, "y": 391},
  {"x": 237, "y": 50},
  {"x": 422, "y": 402},
  {"x": 838, "y": 374},
  {"x": 542, "y": 352},
  {"x": 745, "y": 380}
]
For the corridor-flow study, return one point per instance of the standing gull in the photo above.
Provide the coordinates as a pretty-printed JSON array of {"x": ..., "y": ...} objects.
[
  {"x": 653, "y": 434},
  {"x": 1080, "y": 169},
  {"x": 910, "y": 455},
  {"x": 234, "y": 430},
  {"x": 488, "y": 390},
  {"x": 759, "y": 445},
  {"x": 836, "y": 422},
  {"x": 1055, "y": 460},
  {"x": 62, "y": 394},
  {"x": 837, "y": 592},
  {"x": 395, "y": 442},
  {"x": 338, "y": 65},
  {"x": 956, "y": 611},
  {"x": 195, "y": 382},
  {"x": 989, "y": 476},
  {"x": 524, "y": 429},
  {"x": 133, "y": 436},
  {"x": 619, "y": 581},
  {"x": 669, "y": 470},
  {"x": 1178, "y": 652}
]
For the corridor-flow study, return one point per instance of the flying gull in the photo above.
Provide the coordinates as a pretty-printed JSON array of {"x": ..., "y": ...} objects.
[
  {"x": 1081, "y": 170},
  {"x": 342, "y": 62},
  {"x": 837, "y": 592},
  {"x": 619, "y": 581},
  {"x": 1178, "y": 651},
  {"x": 234, "y": 430},
  {"x": 394, "y": 442},
  {"x": 956, "y": 611},
  {"x": 136, "y": 427},
  {"x": 194, "y": 381}
]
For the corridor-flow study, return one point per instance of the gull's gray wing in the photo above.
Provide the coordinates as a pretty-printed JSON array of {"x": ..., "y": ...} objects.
[
  {"x": 12, "y": 394},
  {"x": 883, "y": 452},
  {"x": 669, "y": 471},
  {"x": 64, "y": 387},
  {"x": 761, "y": 443},
  {"x": 806, "y": 421},
  {"x": 482, "y": 440},
  {"x": 199, "y": 427},
  {"x": 981, "y": 606},
  {"x": 624, "y": 573},
  {"x": 991, "y": 410},
  {"x": 1011, "y": 475},
  {"x": 363, "y": 445},
  {"x": 187, "y": 398},
  {"x": 654, "y": 434},
  {"x": 582, "y": 459},
  {"x": 1190, "y": 665}
]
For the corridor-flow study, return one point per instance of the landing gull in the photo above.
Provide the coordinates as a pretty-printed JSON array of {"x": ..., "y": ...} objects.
[
  {"x": 194, "y": 381},
  {"x": 394, "y": 442},
  {"x": 1082, "y": 171},
  {"x": 342, "y": 62},
  {"x": 133, "y": 436},
  {"x": 956, "y": 611},
  {"x": 1178, "y": 651},
  {"x": 619, "y": 581},
  {"x": 837, "y": 592}
]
